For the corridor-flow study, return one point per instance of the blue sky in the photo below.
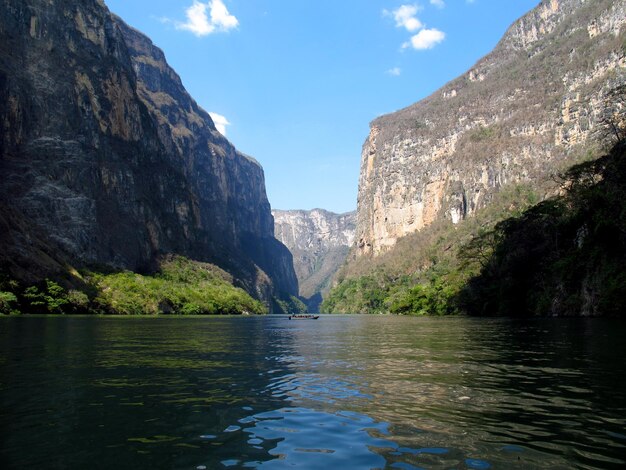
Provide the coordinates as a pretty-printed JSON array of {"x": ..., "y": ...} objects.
[{"x": 299, "y": 81}]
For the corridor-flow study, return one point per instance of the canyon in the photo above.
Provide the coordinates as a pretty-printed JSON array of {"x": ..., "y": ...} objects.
[{"x": 319, "y": 241}]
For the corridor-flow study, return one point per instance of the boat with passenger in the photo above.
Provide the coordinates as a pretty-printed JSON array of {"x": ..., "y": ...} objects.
[{"x": 303, "y": 316}]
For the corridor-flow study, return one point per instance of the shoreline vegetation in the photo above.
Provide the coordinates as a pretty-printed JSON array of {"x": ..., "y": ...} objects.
[{"x": 181, "y": 286}]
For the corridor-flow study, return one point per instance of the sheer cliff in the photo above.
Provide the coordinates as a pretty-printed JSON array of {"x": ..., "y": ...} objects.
[
  {"x": 106, "y": 160},
  {"x": 319, "y": 242},
  {"x": 529, "y": 109}
]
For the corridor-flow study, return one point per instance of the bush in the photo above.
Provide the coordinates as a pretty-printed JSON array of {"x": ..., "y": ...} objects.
[
  {"x": 482, "y": 133},
  {"x": 51, "y": 299},
  {"x": 288, "y": 304},
  {"x": 436, "y": 298},
  {"x": 78, "y": 299},
  {"x": 55, "y": 297},
  {"x": 8, "y": 301},
  {"x": 181, "y": 287}
]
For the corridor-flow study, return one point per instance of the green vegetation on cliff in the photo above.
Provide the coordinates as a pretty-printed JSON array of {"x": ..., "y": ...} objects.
[
  {"x": 425, "y": 271},
  {"x": 562, "y": 256},
  {"x": 181, "y": 286},
  {"x": 288, "y": 305}
]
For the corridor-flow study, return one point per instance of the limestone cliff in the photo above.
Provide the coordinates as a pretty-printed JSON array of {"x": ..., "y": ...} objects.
[
  {"x": 319, "y": 242},
  {"x": 522, "y": 113},
  {"x": 106, "y": 160}
]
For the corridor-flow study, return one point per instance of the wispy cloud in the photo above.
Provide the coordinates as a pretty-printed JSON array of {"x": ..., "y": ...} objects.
[
  {"x": 220, "y": 123},
  {"x": 207, "y": 18},
  {"x": 425, "y": 39},
  {"x": 394, "y": 72},
  {"x": 405, "y": 17}
]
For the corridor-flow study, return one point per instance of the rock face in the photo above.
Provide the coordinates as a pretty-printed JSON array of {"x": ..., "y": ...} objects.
[
  {"x": 106, "y": 160},
  {"x": 319, "y": 242},
  {"x": 526, "y": 110}
]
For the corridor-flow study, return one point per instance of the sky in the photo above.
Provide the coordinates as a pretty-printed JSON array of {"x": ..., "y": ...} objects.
[{"x": 295, "y": 83}]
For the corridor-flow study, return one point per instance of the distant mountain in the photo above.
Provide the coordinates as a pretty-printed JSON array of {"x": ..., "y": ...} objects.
[
  {"x": 107, "y": 161},
  {"x": 529, "y": 109},
  {"x": 319, "y": 242}
]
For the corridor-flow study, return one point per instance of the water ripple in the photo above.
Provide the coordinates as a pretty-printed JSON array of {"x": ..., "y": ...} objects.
[{"x": 343, "y": 392}]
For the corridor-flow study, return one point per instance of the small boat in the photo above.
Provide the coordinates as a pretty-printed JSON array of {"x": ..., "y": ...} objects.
[{"x": 303, "y": 316}]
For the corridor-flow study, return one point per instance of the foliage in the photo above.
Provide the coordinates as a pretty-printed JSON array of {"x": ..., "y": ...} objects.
[
  {"x": 365, "y": 294},
  {"x": 181, "y": 287},
  {"x": 434, "y": 298},
  {"x": 55, "y": 297},
  {"x": 8, "y": 302},
  {"x": 430, "y": 294},
  {"x": 7, "y": 283},
  {"x": 561, "y": 256},
  {"x": 34, "y": 298},
  {"x": 288, "y": 304},
  {"x": 482, "y": 133},
  {"x": 48, "y": 298},
  {"x": 437, "y": 271},
  {"x": 564, "y": 256},
  {"x": 78, "y": 300}
]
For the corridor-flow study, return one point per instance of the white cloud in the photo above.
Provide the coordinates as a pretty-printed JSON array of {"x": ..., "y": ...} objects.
[
  {"x": 394, "y": 72},
  {"x": 425, "y": 39},
  {"x": 208, "y": 18},
  {"x": 220, "y": 16},
  {"x": 220, "y": 123},
  {"x": 405, "y": 17}
]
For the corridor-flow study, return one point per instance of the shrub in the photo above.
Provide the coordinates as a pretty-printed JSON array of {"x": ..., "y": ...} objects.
[
  {"x": 182, "y": 287},
  {"x": 35, "y": 299},
  {"x": 79, "y": 301},
  {"x": 8, "y": 301},
  {"x": 55, "y": 297},
  {"x": 482, "y": 133}
]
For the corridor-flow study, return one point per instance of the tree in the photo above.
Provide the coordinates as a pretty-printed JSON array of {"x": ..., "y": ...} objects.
[
  {"x": 613, "y": 118},
  {"x": 51, "y": 300},
  {"x": 7, "y": 303}
]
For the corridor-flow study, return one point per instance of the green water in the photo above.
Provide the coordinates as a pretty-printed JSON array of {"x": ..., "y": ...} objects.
[{"x": 345, "y": 392}]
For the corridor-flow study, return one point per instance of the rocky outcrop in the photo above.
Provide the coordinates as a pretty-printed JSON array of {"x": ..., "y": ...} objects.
[
  {"x": 319, "y": 242},
  {"x": 106, "y": 160},
  {"x": 525, "y": 111}
]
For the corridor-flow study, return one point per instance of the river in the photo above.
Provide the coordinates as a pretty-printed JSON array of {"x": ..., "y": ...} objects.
[{"x": 341, "y": 392}]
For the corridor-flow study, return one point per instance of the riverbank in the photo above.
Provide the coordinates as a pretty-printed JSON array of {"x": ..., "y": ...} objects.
[{"x": 181, "y": 287}]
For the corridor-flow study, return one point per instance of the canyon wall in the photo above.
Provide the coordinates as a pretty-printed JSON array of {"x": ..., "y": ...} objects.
[
  {"x": 107, "y": 161},
  {"x": 319, "y": 242},
  {"x": 533, "y": 106}
]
